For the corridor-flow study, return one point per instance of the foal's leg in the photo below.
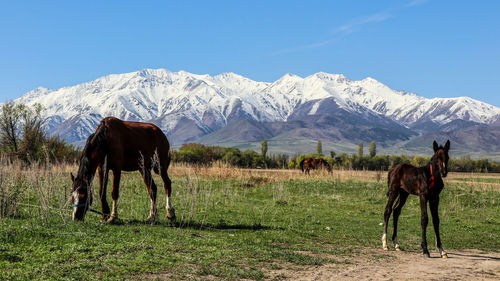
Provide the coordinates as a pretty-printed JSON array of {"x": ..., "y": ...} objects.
[
  {"x": 403, "y": 195},
  {"x": 115, "y": 193},
  {"x": 424, "y": 222},
  {"x": 150, "y": 184},
  {"x": 167, "y": 184},
  {"x": 434, "y": 203},
  {"x": 103, "y": 184},
  {"x": 393, "y": 194}
]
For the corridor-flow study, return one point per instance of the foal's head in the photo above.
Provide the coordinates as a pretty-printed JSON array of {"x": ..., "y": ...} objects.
[{"x": 441, "y": 154}]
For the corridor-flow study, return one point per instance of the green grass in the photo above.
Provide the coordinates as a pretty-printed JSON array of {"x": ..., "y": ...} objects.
[
  {"x": 480, "y": 179},
  {"x": 228, "y": 229}
]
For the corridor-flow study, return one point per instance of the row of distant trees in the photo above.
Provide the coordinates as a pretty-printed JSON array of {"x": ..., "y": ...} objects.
[
  {"x": 194, "y": 153},
  {"x": 22, "y": 136}
]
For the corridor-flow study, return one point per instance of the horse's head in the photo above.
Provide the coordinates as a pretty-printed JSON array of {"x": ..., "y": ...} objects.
[
  {"x": 81, "y": 195},
  {"x": 326, "y": 165},
  {"x": 441, "y": 154}
]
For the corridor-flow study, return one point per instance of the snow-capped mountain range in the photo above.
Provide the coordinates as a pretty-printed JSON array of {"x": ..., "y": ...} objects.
[{"x": 189, "y": 106}]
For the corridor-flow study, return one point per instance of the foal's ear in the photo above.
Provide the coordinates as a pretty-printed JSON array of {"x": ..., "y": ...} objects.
[
  {"x": 447, "y": 145},
  {"x": 72, "y": 178},
  {"x": 435, "y": 146}
]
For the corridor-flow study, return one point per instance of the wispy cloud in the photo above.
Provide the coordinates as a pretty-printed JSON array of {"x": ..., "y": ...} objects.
[
  {"x": 356, "y": 24},
  {"x": 353, "y": 26},
  {"x": 339, "y": 32}
]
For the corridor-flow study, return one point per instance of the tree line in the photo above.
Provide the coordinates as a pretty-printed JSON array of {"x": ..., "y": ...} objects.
[
  {"x": 22, "y": 137},
  {"x": 199, "y": 154}
]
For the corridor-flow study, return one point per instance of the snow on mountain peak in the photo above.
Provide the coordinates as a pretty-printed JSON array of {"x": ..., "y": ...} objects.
[{"x": 166, "y": 97}]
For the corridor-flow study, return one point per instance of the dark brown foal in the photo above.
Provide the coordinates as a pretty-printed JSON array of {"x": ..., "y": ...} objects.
[{"x": 425, "y": 182}]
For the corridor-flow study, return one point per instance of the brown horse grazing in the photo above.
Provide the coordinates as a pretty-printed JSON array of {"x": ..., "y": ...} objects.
[
  {"x": 121, "y": 146},
  {"x": 425, "y": 182},
  {"x": 314, "y": 163}
]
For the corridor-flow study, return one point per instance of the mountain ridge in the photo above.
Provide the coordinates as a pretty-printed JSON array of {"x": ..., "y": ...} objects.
[{"x": 190, "y": 106}]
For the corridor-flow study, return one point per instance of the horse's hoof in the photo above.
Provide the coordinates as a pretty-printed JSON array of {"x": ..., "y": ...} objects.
[
  {"x": 398, "y": 248},
  {"x": 386, "y": 248},
  {"x": 444, "y": 255},
  {"x": 171, "y": 214},
  {"x": 111, "y": 219},
  {"x": 427, "y": 255}
]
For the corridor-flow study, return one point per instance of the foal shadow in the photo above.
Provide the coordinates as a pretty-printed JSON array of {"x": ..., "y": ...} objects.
[{"x": 475, "y": 256}]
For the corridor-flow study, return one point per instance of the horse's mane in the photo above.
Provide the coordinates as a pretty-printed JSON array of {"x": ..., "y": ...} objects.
[{"x": 97, "y": 140}]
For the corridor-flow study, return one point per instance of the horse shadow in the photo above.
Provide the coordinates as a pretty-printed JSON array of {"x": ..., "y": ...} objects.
[{"x": 192, "y": 224}]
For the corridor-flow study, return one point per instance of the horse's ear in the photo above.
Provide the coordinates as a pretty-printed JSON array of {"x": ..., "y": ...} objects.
[
  {"x": 72, "y": 178},
  {"x": 447, "y": 145},
  {"x": 435, "y": 146}
]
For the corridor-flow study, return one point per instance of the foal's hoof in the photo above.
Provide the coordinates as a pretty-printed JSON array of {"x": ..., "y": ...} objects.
[
  {"x": 398, "y": 248},
  {"x": 444, "y": 255},
  {"x": 427, "y": 255},
  {"x": 386, "y": 248}
]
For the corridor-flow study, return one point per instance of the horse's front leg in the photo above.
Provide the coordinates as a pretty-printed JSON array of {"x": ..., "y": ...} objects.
[
  {"x": 115, "y": 194},
  {"x": 434, "y": 203},
  {"x": 403, "y": 195},
  {"x": 103, "y": 183},
  {"x": 424, "y": 222}
]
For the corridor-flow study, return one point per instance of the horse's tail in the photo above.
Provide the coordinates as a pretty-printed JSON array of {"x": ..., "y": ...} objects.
[{"x": 302, "y": 164}]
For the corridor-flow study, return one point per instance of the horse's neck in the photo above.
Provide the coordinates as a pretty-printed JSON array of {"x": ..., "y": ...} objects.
[{"x": 88, "y": 168}]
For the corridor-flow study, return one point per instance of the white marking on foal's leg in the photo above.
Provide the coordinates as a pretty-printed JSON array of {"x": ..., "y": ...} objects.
[
  {"x": 384, "y": 242},
  {"x": 442, "y": 252},
  {"x": 396, "y": 244}
]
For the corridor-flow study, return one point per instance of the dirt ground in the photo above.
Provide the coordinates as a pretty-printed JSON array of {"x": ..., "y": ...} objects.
[{"x": 405, "y": 265}]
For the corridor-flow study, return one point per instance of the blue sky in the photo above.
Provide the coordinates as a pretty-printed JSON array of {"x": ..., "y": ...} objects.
[{"x": 430, "y": 47}]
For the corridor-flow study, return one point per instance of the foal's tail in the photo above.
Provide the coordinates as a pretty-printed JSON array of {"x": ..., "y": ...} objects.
[
  {"x": 302, "y": 164},
  {"x": 391, "y": 176}
]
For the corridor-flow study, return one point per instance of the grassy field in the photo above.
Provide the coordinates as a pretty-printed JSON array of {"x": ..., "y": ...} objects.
[{"x": 231, "y": 223}]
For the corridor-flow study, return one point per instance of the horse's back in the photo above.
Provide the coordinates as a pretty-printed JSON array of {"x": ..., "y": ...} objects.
[{"x": 132, "y": 140}]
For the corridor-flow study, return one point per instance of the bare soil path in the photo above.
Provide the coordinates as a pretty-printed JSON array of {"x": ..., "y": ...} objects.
[{"x": 405, "y": 265}]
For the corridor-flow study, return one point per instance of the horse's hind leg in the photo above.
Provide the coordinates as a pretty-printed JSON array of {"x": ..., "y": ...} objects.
[
  {"x": 152, "y": 190},
  {"x": 393, "y": 194},
  {"x": 434, "y": 203},
  {"x": 403, "y": 195},
  {"x": 167, "y": 184}
]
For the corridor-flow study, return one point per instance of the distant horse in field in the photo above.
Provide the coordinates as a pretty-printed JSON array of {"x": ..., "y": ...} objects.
[
  {"x": 425, "y": 182},
  {"x": 308, "y": 164},
  {"x": 121, "y": 146}
]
